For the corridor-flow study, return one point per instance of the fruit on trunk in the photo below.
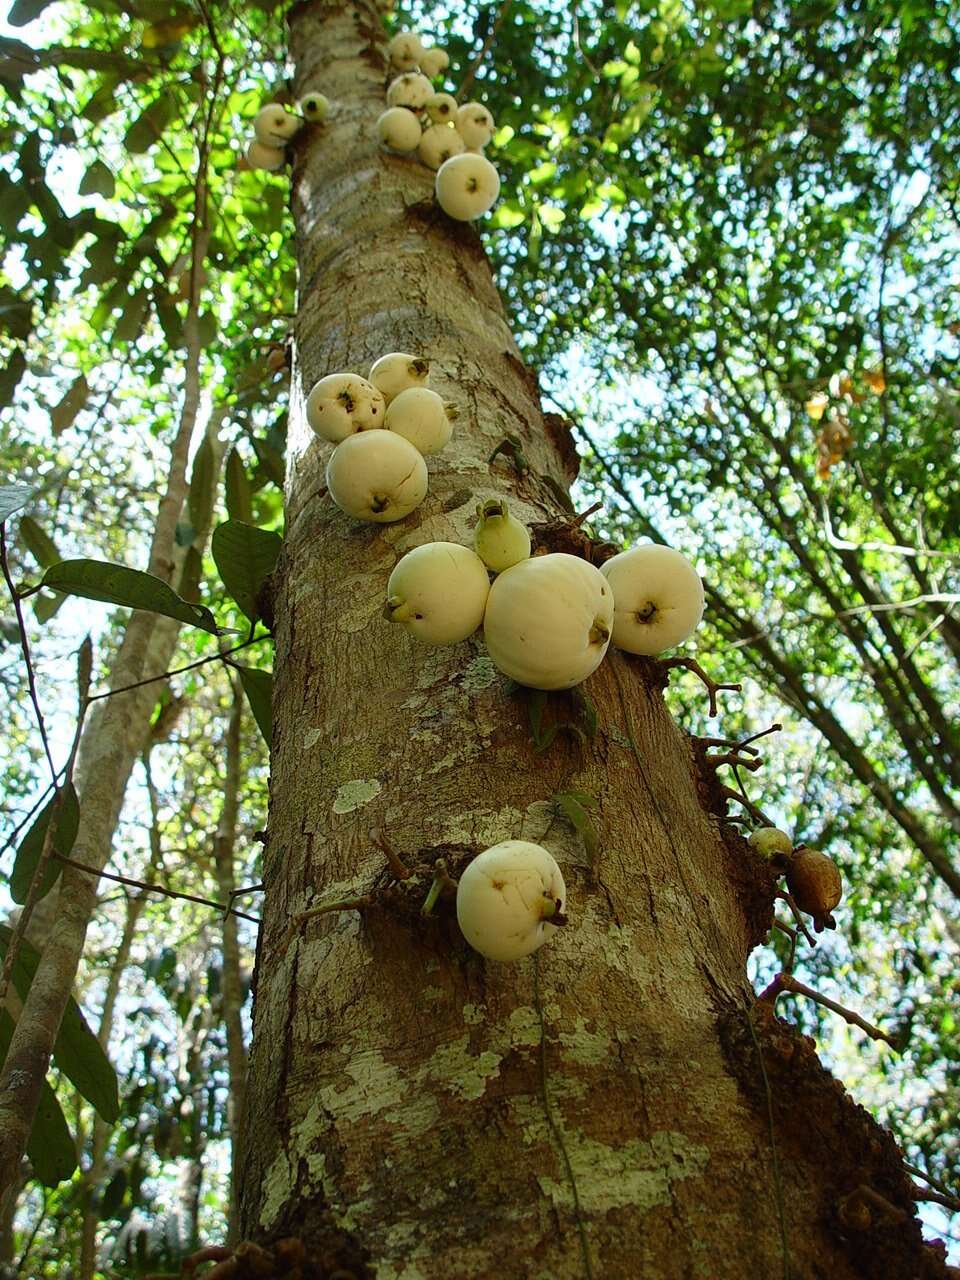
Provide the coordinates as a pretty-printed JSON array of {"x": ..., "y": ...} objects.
[
  {"x": 438, "y": 592},
  {"x": 659, "y": 598},
  {"x": 397, "y": 371},
  {"x": 376, "y": 475},
  {"x": 442, "y": 108},
  {"x": 433, "y": 61},
  {"x": 814, "y": 880},
  {"x": 409, "y": 90},
  {"x": 274, "y": 125},
  {"x": 314, "y": 107},
  {"x": 770, "y": 842},
  {"x": 467, "y": 186},
  {"x": 439, "y": 143},
  {"x": 343, "y": 403},
  {"x": 548, "y": 621},
  {"x": 260, "y": 156},
  {"x": 399, "y": 129},
  {"x": 506, "y": 898},
  {"x": 475, "y": 124},
  {"x": 499, "y": 539},
  {"x": 422, "y": 417},
  {"x": 405, "y": 50}
]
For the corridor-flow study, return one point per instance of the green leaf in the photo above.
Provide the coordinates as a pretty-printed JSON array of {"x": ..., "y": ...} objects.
[
  {"x": 12, "y": 498},
  {"x": 271, "y": 461},
  {"x": 47, "y": 606},
  {"x": 77, "y": 1051},
  {"x": 28, "y": 854},
  {"x": 113, "y": 1195},
  {"x": 573, "y": 805},
  {"x": 245, "y": 556},
  {"x": 98, "y": 180},
  {"x": 40, "y": 545},
  {"x": 50, "y": 1148},
  {"x": 258, "y": 686},
  {"x": 130, "y": 588},
  {"x": 63, "y": 415},
  {"x": 150, "y": 124},
  {"x": 239, "y": 494},
  {"x": 200, "y": 499}
]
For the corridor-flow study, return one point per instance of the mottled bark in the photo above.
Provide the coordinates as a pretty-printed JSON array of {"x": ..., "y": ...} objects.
[
  {"x": 600, "y": 1110},
  {"x": 231, "y": 983}
]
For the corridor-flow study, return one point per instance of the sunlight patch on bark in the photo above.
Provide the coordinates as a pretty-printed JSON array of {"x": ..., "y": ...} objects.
[{"x": 638, "y": 1174}]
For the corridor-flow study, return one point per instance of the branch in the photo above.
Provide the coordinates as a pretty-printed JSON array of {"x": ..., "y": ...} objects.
[
  {"x": 25, "y": 648},
  {"x": 201, "y": 662},
  {"x": 713, "y": 688},
  {"x": 786, "y": 982},
  {"x": 154, "y": 888}
]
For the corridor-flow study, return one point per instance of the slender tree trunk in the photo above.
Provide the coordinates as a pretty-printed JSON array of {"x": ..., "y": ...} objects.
[
  {"x": 231, "y": 989},
  {"x": 617, "y": 1106},
  {"x": 111, "y": 743}
]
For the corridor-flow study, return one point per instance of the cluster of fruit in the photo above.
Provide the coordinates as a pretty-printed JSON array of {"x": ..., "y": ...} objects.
[
  {"x": 547, "y": 619},
  {"x": 383, "y": 427},
  {"x": 813, "y": 879},
  {"x": 274, "y": 126},
  {"x": 446, "y": 137}
]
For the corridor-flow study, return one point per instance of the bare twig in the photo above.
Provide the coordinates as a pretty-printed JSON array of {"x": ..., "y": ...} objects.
[
  {"x": 165, "y": 675},
  {"x": 345, "y": 904},
  {"x": 786, "y": 982},
  {"x": 934, "y": 1182},
  {"x": 748, "y": 804},
  {"x": 713, "y": 688},
  {"x": 789, "y": 899},
  {"x": 25, "y": 648},
  {"x": 154, "y": 888}
]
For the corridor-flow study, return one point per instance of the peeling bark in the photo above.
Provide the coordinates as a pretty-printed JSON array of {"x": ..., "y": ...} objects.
[{"x": 413, "y": 1111}]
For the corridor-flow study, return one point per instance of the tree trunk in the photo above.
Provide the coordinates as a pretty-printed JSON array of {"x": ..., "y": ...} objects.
[{"x": 600, "y": 1109}]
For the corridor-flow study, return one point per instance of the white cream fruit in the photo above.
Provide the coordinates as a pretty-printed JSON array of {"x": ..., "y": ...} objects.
[
  {"x": 658, "y": 596},
  {"x": 399, "y": 129},
  {"x": 405, "y": 50},
  {"x": 314, "y": 107},
  {"x": 467, "y": 186},
  {"x": 409, "y": 90},
  {"x": 343, "y": 403},
  {"x": 442, "y": 108},
  {"x": 422, "y": 417},
  {"x": 397, "y": 371},
  {"x": 274, "y": 125},
  {"x": 378, "y": 476},
  {"x": 499, "y": 539},
  {"x": 475, "y": 124},
  {"x": 433, "y": 61},
  {"x": 548, "y": 621},
  {"x": 438, "y": 592},
  {"x": 438, "y": 144},
  {"x": 506, "y": 897},
  {"x": 263, "y": 157}
]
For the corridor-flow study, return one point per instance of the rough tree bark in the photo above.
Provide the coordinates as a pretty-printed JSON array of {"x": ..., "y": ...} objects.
[{"x": 609, "y": 1108}]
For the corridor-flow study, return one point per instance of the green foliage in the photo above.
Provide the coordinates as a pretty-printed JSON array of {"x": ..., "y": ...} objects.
[
  {"x": 258, "y": 686},
  {"x": 131, "y": 588},
  {"x": 31, "y": 846},
  {"x": 51, "y": 1150},
  {"x": 245, "y": 557}
]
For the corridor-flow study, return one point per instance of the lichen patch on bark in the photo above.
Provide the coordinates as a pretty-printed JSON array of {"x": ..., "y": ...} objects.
[{"x": 355, "y": 794}]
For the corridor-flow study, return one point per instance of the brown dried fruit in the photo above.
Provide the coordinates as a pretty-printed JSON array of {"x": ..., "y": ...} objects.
[{"x": 815, "y": 883}]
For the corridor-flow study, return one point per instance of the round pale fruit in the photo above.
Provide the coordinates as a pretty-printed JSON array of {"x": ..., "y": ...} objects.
[
  {"x": 499, "y": 539},
  {"x": 433, "y": 61},
  {"x": 342, "y": 403},
  {"x": 260, "y": 156},
  {"x": 467, "y": 186},
  {"x": 409, "y": 90},
  {"x": 405, "y": 50},
  {"x": 397, "y": 371},
  {"x": 438, "y": 592},
  {"x": 548, "y": 621},
  {"x": 422, "y": 417},
  {"x": 505, "y": 899},
  {"x": 399, "y": 129},
  {"x": 442, "y": 108},
  {"x": 439, "y": 143},
  {"x": 274, "y": 125},
  {"x": 378, "y": 476},
  {"x": 314, "y": 107},
  {"x": 658, "y": 595},
  {"x": 475, "y": 124}
]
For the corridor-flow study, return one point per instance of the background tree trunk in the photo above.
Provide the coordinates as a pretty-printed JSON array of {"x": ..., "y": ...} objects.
[{"x": 598, "y": 1110}]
